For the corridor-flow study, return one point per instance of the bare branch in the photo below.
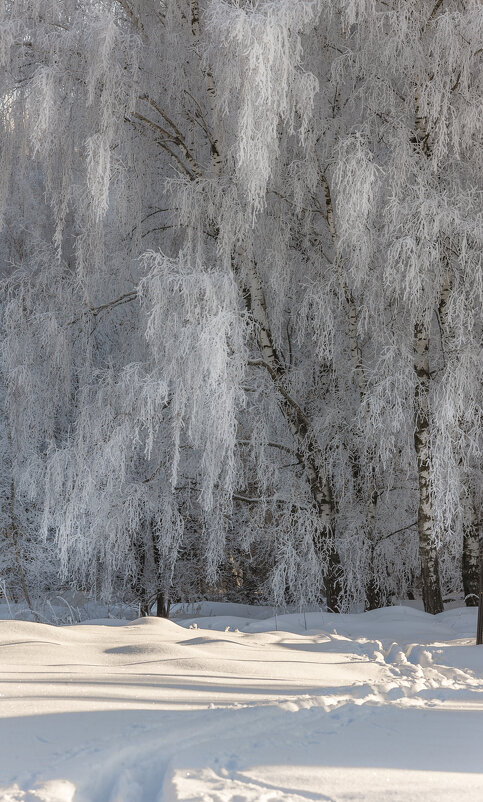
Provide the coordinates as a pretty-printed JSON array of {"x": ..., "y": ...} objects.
[
  {"x": 271, "y": 445},
  {"x": 94, "y": 311},
  {"x": 397, "y": 532},
  {"x": 163, "y": 145},
  {"x": 176, "y": 138}
]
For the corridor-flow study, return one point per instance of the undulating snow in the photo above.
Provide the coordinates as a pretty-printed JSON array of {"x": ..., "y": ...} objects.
[{"x": 386, "y": 705}]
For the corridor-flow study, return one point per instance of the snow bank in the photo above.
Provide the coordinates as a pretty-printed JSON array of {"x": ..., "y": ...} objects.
[{"x": 224, "y": 705}]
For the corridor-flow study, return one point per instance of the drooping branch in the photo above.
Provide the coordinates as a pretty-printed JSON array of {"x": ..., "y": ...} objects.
[
  {"x": 270, "y": 445},
  {"x": 355, "y": 348}
]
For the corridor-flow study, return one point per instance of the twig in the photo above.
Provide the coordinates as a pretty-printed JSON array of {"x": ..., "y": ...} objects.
[
  {"x": 176, "y": 141},
  {"x": 434, "y": 11},
  {"x": 272, "y": 445},
  {"x": 130, "y": 13},
  {"x": 179, "y": 138},
  {"x": 276, "y": 379},
  {"x": 403, "y": 529}
]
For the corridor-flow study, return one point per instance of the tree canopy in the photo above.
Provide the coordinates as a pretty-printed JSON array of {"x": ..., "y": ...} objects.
[{"x": 241, "y": 298}]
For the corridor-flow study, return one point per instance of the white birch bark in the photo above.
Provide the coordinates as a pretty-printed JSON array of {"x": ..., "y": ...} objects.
[
  {"x": 470, "y": 568},
  {"x": 470, "y": 558},
  {"x": 433, "y": 602}
]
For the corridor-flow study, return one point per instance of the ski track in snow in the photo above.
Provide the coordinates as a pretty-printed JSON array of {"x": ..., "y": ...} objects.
[{"x": 380, "y": 706}]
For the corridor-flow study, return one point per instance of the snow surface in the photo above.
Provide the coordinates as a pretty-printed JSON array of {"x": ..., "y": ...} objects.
[{"x": 235, "y": 704}]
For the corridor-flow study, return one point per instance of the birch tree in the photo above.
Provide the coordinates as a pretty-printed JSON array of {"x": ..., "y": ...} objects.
[
  {"x": 415, "y": 68},
  {"x": 262, "y": 223}
]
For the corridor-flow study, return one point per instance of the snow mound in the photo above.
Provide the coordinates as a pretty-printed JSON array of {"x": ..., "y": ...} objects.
[{"x": 386, "y": 705}]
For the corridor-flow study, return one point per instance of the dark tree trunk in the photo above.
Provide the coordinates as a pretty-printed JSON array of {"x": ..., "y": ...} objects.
[
  {"x": 163, "y": 605},
  {"x": 432, "y": 598},
  {"x": 333, "y": 582},
  {"x": 471, "y": 571},
  {"x": 374, "y": 599},
  {"x": 144, "y": 607},
  {"x": 366, "y": 490},
  {"x": 139, "y": 583}
]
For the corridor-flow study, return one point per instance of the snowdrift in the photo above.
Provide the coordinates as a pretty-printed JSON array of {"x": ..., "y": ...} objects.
[{"x": 226, "y": 705}]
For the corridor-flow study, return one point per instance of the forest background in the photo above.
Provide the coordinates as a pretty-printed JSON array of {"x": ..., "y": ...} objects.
[{"x": 241, "y": 300}]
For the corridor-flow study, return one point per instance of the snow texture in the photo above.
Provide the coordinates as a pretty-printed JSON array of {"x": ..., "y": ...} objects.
[{"x": 236, "y": 704}]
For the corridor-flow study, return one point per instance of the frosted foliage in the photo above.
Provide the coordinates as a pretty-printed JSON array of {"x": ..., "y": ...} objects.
[
  {"x": 93, "y": 60},
  {"x": 256, "y": 57},
  {"x": 98, "y": 481},
  {"x": 5, "y": 169},
  {"x": 356, "y": 181},
  {"x": 106, "y": 89},
  {"x": 241, "y": 296},
  {"x": 32, "y": 355},
  {"x": 8, "y": 31},
  {"x": 458, "y": 419},
  {"x": 169, "y": 534},
  {"x": 295, "y": 560},
  {"x": 197, "y": 336}
]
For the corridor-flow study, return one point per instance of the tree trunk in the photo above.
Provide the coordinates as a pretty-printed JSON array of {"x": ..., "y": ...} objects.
[
  {"x": 471, "y": 565},
  {"x": 479, "y": 627},
  {"x": 471, "y": 555},
  {"x": 374, "y": 598},
  {"x": 471, "y": 549},
  {"x": 139, "y": 585},
  {"x": 333, "y": 582},
  {"x": 13, "y": 531},
  {"x": 307, "y": 448},
  {"x": 163, "y": 605},
  {"x": 144, "y": 608},
  {"x": 432, "y": 598}
]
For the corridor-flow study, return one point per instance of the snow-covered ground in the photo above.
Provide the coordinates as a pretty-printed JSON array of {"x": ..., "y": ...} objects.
[{"x": 238, "y": 705}]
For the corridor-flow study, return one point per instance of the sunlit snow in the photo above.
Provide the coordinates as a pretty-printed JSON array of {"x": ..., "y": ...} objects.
[{"x": 232, "y": 706}]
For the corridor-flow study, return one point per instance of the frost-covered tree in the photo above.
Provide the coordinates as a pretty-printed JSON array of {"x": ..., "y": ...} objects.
[
  {"x": 245, "y": 325},
  {"x": 416, "y": 72}
]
